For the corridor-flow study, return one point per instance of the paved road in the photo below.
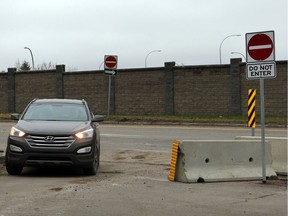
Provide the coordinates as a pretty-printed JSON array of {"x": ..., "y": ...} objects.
[
  {"x": 158, "y": 137},
  {"x": 132, "y": 180},
  {"x": 161, "y": 137}
]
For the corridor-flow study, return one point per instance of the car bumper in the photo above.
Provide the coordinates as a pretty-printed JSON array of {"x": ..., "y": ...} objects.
[{"x": 49, "y": 157}]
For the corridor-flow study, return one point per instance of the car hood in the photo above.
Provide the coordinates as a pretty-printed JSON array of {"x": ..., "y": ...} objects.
[{"x": 52, "y": 127}]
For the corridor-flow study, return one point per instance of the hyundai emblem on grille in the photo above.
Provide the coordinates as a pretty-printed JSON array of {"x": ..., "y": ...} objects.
[{"x": 49, "y": 138}]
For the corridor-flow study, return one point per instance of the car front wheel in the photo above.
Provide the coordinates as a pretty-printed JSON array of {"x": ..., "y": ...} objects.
[
  {"x": 11, "y": 168},
  {"x": 93, "y": 167}
]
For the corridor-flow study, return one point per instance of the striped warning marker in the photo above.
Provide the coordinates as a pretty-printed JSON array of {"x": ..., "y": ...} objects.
[
  {"x": 251, "y": 108},
  {"x": 174, "y": 156}
]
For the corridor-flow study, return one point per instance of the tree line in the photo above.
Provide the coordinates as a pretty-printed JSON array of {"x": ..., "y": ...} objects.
[{"x": 25, "y": 66}]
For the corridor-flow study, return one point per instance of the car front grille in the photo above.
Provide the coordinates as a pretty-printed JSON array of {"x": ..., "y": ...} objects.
[{"x": 50, "y": 141}]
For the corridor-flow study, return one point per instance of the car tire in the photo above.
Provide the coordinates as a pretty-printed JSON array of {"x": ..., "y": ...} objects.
[
  {"x": 93, "y": 167},
  {"x": 11, "y": 168}
]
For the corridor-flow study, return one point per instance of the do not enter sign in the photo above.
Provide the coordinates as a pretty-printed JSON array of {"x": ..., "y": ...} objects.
[
  {"x": 260, "y": 46},
  {"x": 110, "y": 62}
]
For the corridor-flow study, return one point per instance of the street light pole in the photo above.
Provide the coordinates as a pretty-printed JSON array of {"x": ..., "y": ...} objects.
[
  {"x": 101, "y": 65},
  {"x": 31, "y": 56},
  {"x": 222, "y": 43},
  {"x": 149, "y": 54},
  {"x": 239, "y": 54}
]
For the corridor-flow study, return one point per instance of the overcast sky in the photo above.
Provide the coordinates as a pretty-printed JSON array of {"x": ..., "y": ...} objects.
[{"x": 79, "y": 33}]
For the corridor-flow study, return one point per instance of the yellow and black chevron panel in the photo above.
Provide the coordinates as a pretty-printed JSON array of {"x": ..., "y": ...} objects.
[
  {"x": 174, "y": 156},
  {"x": 252, "y": 108}
]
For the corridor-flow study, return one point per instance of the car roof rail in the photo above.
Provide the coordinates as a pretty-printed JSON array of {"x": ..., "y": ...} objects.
[{"x": 33, "y": 100}]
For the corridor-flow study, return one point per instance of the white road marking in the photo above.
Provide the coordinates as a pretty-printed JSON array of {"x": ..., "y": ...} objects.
[{"x": 121, "y": 135}]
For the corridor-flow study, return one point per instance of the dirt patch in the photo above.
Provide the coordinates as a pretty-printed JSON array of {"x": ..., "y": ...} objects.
[
  {"x": 2, "y": 169},
  {"x": 139, "y": 157},
  {"x": 281, "y": 181},
  {"x": 56, "y": 189},
  {"x": 119, "y": 158}
]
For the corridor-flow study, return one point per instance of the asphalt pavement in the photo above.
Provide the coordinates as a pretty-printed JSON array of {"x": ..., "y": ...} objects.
[{"x": 133, "y": 180}]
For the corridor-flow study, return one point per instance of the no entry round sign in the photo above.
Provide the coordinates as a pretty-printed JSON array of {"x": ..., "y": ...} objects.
[
  {"x": 110, "y": 62},
  {"x": 260, "y": 46}
]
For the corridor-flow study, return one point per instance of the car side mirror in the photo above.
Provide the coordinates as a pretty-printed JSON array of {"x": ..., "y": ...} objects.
[
  {"x": 15, "y": 116},
  {"x": 98, "y": 118}
]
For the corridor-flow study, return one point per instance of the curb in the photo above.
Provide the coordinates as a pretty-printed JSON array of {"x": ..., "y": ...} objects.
[
  {"x": 167, "y": 123},
  {"x": 177, "y": 123}
]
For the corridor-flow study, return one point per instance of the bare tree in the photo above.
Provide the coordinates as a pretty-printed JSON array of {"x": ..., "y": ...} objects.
[
  {"x": 18, "y": 65},
  {"x": 46, "y": 66}
]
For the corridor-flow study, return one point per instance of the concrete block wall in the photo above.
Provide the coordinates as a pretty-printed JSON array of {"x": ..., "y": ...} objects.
[
  {"x": 202, "y": 90},
  {"x": 91, "y": 86},
  {"x": 140, "y": 92},
  {"x": 4, "y": 93},
  {"x": 168, "y": 90},
  {"x": 30, "y": 85}
]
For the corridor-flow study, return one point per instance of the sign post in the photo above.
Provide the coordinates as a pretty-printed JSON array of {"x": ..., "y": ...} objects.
[
  {"x": 262, "y": 110},
  {"x": 260, "y": 56},
  {"x": 110, "y": 69}
]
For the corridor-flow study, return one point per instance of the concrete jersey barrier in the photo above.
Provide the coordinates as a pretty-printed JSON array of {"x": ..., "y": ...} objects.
[
  {"x": 278, "y": 151},
  {"x": 221, "y": 160}
]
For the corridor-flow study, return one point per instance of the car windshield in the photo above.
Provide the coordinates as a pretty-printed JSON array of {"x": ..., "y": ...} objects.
[{"x": 56, "y": 112}]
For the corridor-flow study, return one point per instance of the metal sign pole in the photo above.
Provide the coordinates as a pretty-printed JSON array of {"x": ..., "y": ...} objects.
[
  {"x": 260, "y": 57},
  {"x": 109, "y": 94},
  {"x": 263, "y": 129}
]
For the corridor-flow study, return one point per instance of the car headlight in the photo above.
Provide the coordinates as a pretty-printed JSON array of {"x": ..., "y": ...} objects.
[
  {"x": 85, "y": 134},
  {"x": 16, "y": 132}
]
